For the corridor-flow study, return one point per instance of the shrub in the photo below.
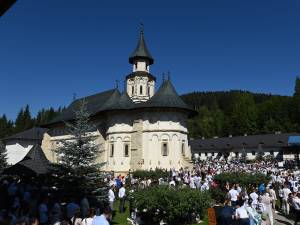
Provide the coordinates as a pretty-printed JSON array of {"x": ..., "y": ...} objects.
[
  {"x": 244, "y": 179},
  {"x": 218, "y": 195},
  {"x": 173, "y": 206},
  {"x": 152, "y": 174}
]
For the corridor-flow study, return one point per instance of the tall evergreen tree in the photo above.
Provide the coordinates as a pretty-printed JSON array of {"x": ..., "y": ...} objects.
[
  {"x": 296, "y": 103},
  {"x": 6, "y": 127},
  {"x": 24, "y": 120},
  {"x": 242, "y": 116},
  {"x": 77, "y": 167},
  {"x": 3, "y": 159}
]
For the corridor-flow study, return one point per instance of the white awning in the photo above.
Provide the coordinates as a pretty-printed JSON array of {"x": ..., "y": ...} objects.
[{"x": 16, "y": 152}]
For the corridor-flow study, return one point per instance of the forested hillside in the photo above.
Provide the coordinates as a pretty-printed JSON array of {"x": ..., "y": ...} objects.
[
  {"x": 25, "y": 120},
  {"x": 219, "y": 114},
  {"x": 241, "y": 112}
]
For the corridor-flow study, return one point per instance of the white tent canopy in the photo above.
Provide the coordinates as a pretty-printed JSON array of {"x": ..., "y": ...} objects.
[{"x": 16, "y": 152}]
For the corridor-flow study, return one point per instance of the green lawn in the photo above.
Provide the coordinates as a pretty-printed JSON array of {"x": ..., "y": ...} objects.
[{"x": 121, "y": 219}]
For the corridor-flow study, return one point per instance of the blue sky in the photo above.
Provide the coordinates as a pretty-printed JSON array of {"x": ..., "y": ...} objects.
[{"x": 51, "y": 49}]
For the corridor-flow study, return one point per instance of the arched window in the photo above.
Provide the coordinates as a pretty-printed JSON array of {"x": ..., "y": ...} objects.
[
  {"x": 165, "y": 149},
  {"x": 183, "y": 149},
  {"x": 132, "y": 90},
  {"x": 112, "y": 149},
  {"x": 126, "y": 150},
  {"x": 141, "y": 90}
]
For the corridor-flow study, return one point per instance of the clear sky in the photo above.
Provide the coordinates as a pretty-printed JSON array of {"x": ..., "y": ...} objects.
[{"x": 51, "y": 49}]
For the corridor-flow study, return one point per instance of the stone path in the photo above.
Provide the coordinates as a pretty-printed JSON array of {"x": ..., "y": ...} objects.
[{"x": 279, "y": 219}]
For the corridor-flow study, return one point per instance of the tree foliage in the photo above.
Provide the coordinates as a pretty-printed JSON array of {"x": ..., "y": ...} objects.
[
  {"x": 25, "y": 120},
  {"x": 244, "y": 179},
  {"x": 241, "y": 112},
  {"x": 152, "y": 174},
  {"x": 173, "y": 206},
  {"x": 3, "y": 162},
  {"x": 77, "y": 170}
]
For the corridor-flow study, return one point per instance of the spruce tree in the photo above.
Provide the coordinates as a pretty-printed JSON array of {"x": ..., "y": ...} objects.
[
  {"x": 3, "y": 159},
  {"x": 77, "y": 169}
]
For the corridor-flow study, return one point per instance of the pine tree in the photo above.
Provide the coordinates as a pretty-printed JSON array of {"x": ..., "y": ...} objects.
[
  {"x": 77, "y": 168},
  {"x": 296, "y": 102},
  {"x": 24, "y": 120},
  {"x": 3, "y": 160}
]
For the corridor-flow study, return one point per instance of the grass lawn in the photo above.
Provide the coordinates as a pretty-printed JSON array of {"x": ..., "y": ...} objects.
[{"x": 121, "y": 218}]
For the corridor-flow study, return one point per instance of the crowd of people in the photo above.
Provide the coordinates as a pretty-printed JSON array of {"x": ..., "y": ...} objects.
[{"x": 30, "y": 203}]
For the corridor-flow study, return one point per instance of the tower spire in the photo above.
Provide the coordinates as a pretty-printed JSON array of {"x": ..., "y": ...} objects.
[
  {"x": 141, "y": 51},
  {"x": 141, "y": 28}
]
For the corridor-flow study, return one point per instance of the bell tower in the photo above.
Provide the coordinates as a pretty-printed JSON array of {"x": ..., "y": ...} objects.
[{"x": 140, "y": 84}]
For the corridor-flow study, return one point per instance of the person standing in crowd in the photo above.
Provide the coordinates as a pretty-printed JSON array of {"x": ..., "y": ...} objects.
[
  {"x": 280, "y": 195},
  {"x": 111, "y": 197},
  {"x": 84, "y": 206},
  {"x": 76, "y": 219},
  {"x": 254, "y": 198},
  {"x": 103, "y": 219},
  {"x": 241, "y": 214},
  {"x": 227, "y": 214},
  {"x": 56, "y": 213},
  {"x": 89, "y": 219},
  {"x": 234, "y": 194},
  {"x": 72, "y": 207},
  {"x": 295, "y": 203},
  {"x": 267, "y": 201},
  {"x": 273, "y": 197},
  {"x": 43, "y": 211},
  {"x": 122, "y": 195},
  {"x": 286, "y": 206},
  {"x": 261, "y": 188}
]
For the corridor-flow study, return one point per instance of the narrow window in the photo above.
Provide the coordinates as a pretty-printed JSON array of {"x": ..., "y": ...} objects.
[
  {"x": 141, "y": 90},
  {"x": 253, "y": 152},
  {"x": 182, "y": 149},
  {"x": 148, "y": 90},
  {"x": 205, "y": 153},
  {"x": 132, "y": 90},
  {"x": 126, "y": 150},
  {"x": 165, "y": 149},
  {"x": 112, "y": 149},
  {"x": 135, "y": 65},
  {"x": 271, "y": 152}
]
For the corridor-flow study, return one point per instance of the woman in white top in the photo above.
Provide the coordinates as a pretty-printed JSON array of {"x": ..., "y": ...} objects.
[
  {"x": 267, "y": 201},
  {"x": 89, "y": 219},
  {"x": 76, "y": 220},
  {"x": 241, "y": 214}
]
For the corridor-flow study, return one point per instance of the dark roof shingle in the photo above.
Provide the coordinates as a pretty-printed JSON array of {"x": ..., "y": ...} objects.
[
  {"x": 239, "y": 142},
  {"x": 35, "y": 133},
  {"x": 141, "y": 51}
]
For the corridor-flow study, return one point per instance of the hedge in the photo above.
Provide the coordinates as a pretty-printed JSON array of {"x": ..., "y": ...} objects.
[
  {"x": 151, "y": 174},
  {"x": 173, "y": 206},
  {"x": 244, "y": 179}
]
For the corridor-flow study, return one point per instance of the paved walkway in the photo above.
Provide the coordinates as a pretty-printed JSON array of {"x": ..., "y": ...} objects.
[{"x": 282, "y": 220}]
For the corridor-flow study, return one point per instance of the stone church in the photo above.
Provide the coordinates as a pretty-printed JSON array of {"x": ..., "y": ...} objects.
[{"x": 140, "y": 128}]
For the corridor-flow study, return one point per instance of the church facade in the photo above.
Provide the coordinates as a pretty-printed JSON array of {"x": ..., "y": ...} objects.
[{"x": 140, "y": 128}]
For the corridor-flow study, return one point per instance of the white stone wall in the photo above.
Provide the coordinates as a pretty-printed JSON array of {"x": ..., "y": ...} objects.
[
  {"x": 141, "y": 66},
  {"x": 155, "y": 128},
  {"x": 232, "y": 155},
  {"x": 140, "y": 88}
]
